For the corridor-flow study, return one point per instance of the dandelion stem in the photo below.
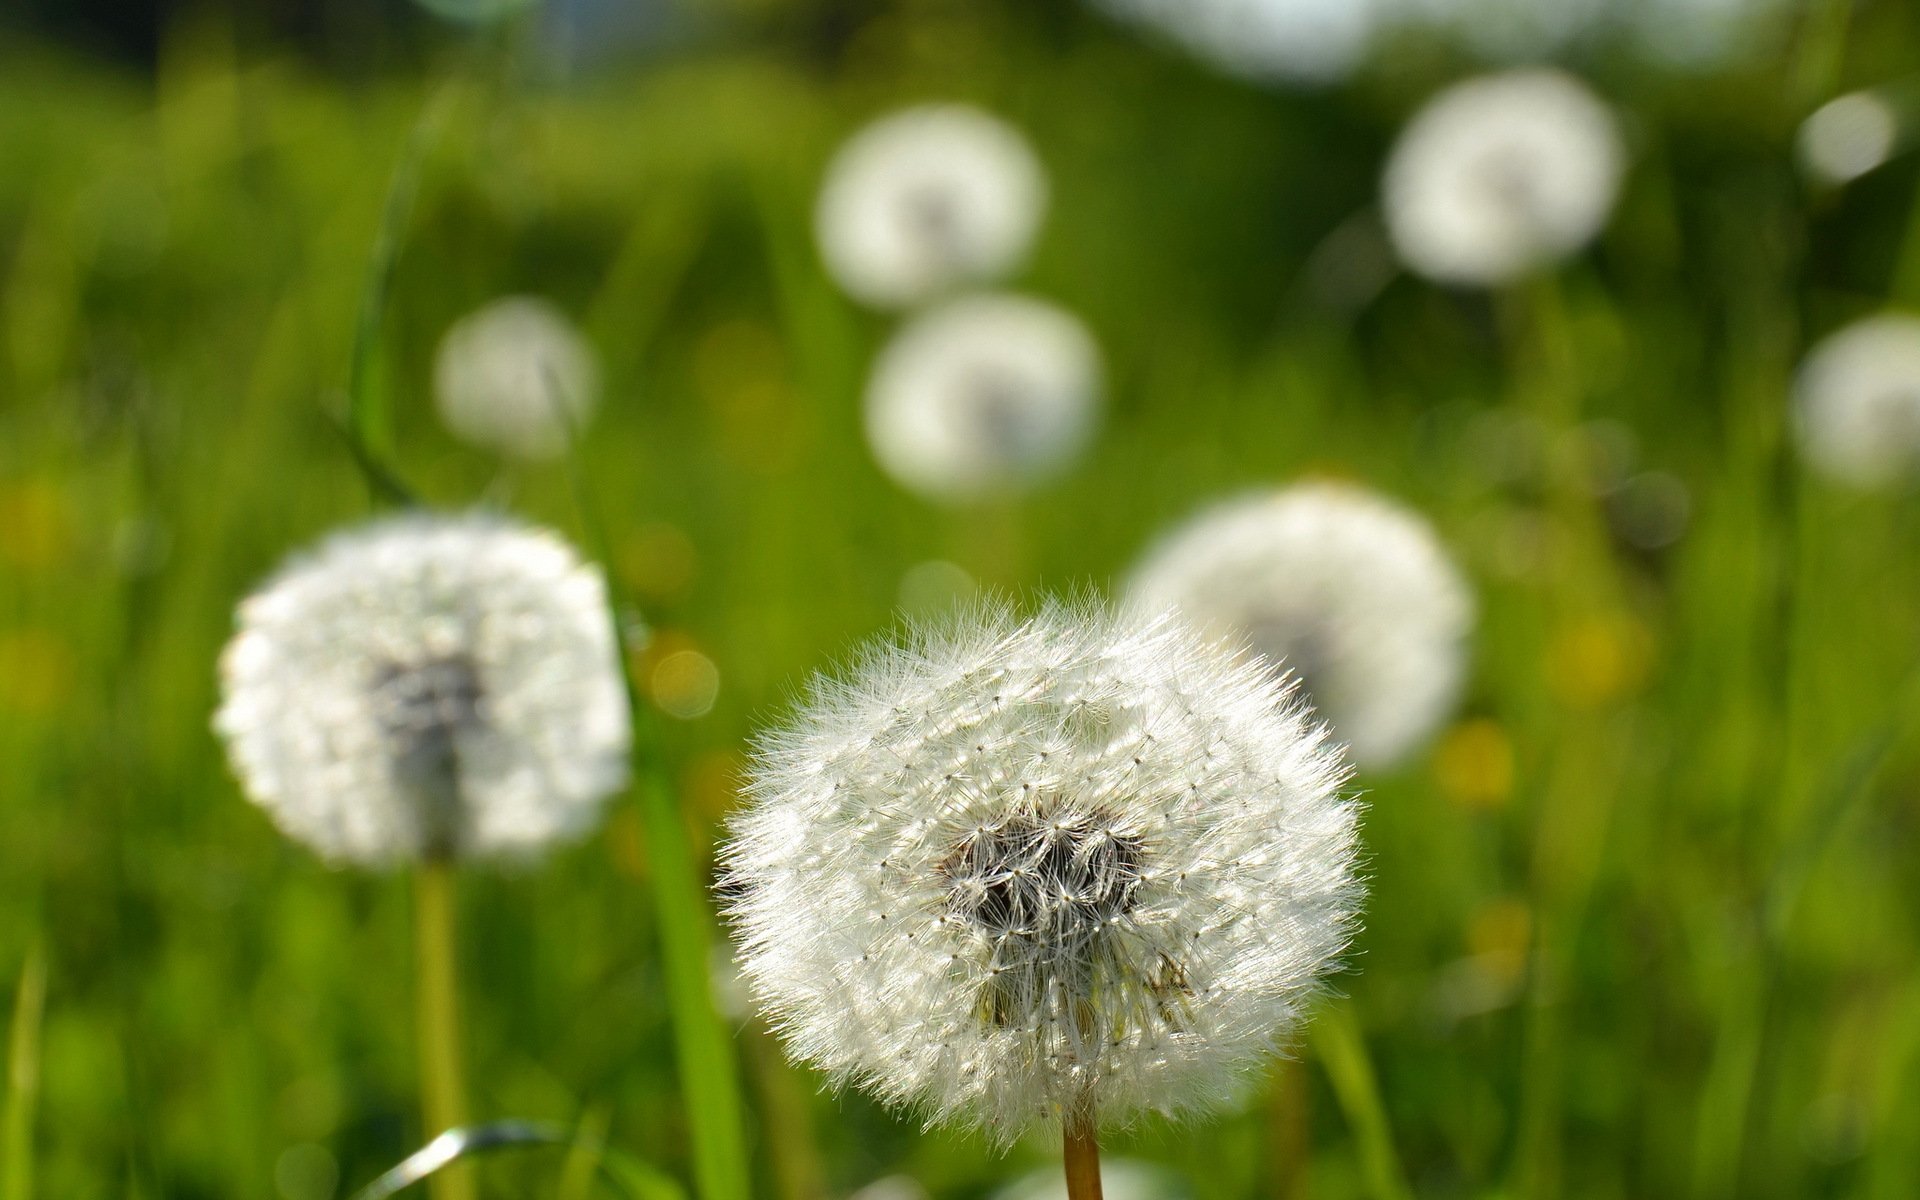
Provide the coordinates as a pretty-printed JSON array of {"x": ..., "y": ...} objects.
[
  {"x": 1083, "y": 1161},
  {"x": 442, "y": 1090},
  {"x": 23, "y": 1078}
]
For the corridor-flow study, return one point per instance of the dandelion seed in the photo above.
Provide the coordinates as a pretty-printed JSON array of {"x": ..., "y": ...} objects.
[
  {"x": 516, "y": 377},
  {"x": 925, "y": 200},
  {"x": 1857, "y": 402},
  {"x": 424, "y": 687},
  {"x": 1502, "y": 175},
  {"x": 988, "y": 393},
  {"x": 1346, "y": 590},
  {"x": 1023, "y": 874}
]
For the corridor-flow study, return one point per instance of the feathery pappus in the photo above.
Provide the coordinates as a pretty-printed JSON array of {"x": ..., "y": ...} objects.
[{"x": 1064, "y": 870}]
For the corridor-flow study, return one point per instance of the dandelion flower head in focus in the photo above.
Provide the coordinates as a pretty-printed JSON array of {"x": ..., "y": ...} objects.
[
  {"x": 1501, "y": 175},
  {"x": 1016, "y": 874},
  {"x": 1857, "y": 401},
  {"x": 987, "y": 393},
  {"x": 516, "y": 377},
  {"x": 424, "y": 687},
  {"x": 1348, "y": 591},
  {"x": 926, "y": 200}
]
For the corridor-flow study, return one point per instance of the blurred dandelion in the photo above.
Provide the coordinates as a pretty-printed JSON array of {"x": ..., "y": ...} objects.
[
  {"x": 1059, "y": 872},
  {"x": 516, "y": 377},
  {"x": 427, "y": 687},
  {"x": 928, "y": 199},
  {"x": 987, "y": 393},
  {"x": 1847, "y": 137},
  {"x": 1349, "y": 592},
  {"x": 1299, "y": 41},
  {"x": 1501, "y": 175},
  {"x": 1857, "y": 401}
]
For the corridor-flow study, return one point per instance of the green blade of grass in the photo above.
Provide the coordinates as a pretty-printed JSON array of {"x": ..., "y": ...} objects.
[
  {"x": 366, "y": 422},
  {"x": 1343, "y": 1052},
  {"x": 709, "y": 1072},
  {"x": 629, "y": 1176}
]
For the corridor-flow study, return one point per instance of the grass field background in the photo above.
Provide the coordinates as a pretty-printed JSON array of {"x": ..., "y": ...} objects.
[{"x": 1644, "y": 922}]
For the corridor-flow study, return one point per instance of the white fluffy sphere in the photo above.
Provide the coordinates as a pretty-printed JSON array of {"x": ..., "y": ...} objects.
[
  {"x": 928, "y": 199},
  {"x": 1857, "y": 401},
  {"x": 1348, "y": 591},
  {"x": 1501, "y": 175},
  {"x": 427, "y": 686},
  {"x": 987, "y": 393},
  {"x": 1023, "y": 873},
  {"x": 515, "y": 377}
]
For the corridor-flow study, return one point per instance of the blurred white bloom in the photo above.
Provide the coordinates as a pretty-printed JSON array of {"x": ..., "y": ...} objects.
[
  {"x": 1500, "y": 175},
  {"x": 1015, "y": 874},
  {"x": 1347, "y": 590},
  {"x": 1306, "y": 41},
  {"x": 425, "y": 686},
  {"x": 984, "y": 394},
  {"x": 1847, "y": 137},
  {"x": 928, "y": 199},
  {"x": 1857, "y": 400},
  {"x": 1120, "y": 1179},
  {"x": 514, "y": 376}
]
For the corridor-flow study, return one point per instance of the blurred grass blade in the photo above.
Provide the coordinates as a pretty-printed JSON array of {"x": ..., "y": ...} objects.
[
  {"x": 637, "y": 1179},
  {"x": 630, "y": 1177},
  {"x": 1341, "y": 1049},
  {"x": 709, "y": 1073},
  {"x": 23, "y": 1076},
  {"x": 584, "y": 1156},
  {"x": 367, "y": 421}
]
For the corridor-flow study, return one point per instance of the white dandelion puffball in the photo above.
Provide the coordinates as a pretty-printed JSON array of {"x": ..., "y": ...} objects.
[
  {"x": 927, "y": 199},
  {"x": 1847, "y": 137},
  {"x": 1501, "y": 175},
  {"x": 428, "y": 686},
  {"x": 1857, "y": 401},
  {"x": 1069, "y": 870},
  {"x": 1348, "y": 591},
  {"x": 987, "y": 393},
  {"x": 516, "y": 377},
  {"x": 1286, "y": 41}
]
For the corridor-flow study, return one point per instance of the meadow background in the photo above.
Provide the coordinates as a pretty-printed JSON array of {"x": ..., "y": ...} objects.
[{"x": 1645, "y": 921}]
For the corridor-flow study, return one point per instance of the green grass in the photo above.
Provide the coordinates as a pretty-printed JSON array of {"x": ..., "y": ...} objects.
[{"x": 1674, "y": 956}]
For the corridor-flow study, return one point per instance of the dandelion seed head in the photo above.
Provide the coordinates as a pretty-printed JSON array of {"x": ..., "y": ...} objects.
[
  {"x": 1857, "y": 401},
  {"x": 928, "y": 199},
  {"x": 516, "y": 377},
  {"x": 1018, "y": 873},
  {"x": 1347, "y": 591},
  {"x": 1501, "y": 175},
  {"x": 427, "y": 686},
  {"x": 987, "y": 393},
  {"x": 1848, "y": 136}
]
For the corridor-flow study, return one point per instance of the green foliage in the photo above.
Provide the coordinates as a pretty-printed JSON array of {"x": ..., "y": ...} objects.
[{"x": 1643, "y": 924}]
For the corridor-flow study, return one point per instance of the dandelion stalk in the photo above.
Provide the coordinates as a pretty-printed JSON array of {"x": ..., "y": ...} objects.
[
  {"x": 23, "y": 1077},
  {"x": 443, "y": 1091},
  {"x": 1083, "y": 1161}
]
